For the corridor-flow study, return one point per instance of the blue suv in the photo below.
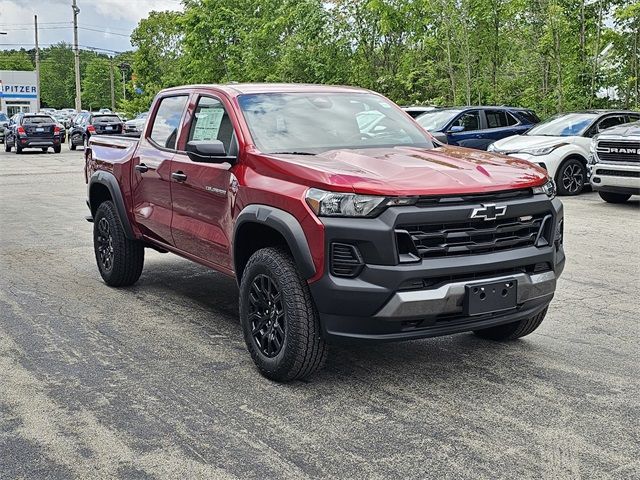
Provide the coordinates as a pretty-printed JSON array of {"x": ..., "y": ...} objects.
[{"x": 476, "y": 127}]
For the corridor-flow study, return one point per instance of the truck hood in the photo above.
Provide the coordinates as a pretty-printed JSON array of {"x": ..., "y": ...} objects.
[
  {"x": 516, "y": 143},
  {"x": 446, "y": 170}
]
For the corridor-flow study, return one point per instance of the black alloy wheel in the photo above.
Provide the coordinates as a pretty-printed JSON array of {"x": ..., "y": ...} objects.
[
  {"x": 105, "y": 245},
  {"x": 572, "y": 177},
  {"x": 266, "y": 314}
]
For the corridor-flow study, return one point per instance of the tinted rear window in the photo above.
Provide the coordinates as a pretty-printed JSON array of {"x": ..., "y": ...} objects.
[
  {"x": 37, "y": 120},
  {"x": 529, "y": 116},
  {"x": 106, "y": 118}
]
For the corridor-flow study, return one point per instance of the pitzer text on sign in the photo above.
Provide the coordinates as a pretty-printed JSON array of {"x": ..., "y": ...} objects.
[{"x": 28, "y": 89}]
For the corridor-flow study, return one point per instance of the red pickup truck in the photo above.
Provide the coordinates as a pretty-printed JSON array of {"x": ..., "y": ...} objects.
[{"x": 340, "y": 218}]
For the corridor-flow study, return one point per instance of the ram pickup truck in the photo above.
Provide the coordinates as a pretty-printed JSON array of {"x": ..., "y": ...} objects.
[
  {"x": 333, "y": 231},
  {"x": 614, "y": 162}
]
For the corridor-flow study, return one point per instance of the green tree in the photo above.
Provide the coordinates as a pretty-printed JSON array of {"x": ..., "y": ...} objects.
[
  {"x": 15, "y": 60},
  {"x": 57, "y": 77},
  {"x": 96, "y": 84}
]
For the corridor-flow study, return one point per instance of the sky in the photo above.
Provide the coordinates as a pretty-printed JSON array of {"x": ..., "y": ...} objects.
[{"x": 104, "y": 24}]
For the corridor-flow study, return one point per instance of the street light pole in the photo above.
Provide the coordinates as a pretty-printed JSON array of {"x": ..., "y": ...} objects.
[
  {"x": 76, "y": 11},
  {"x": 35, "y": 24}
]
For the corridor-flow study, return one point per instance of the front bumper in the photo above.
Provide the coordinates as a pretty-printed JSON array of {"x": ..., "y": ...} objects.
[
  {"x": 615, "y": 178},
  {"x": 383, "y": 303}
]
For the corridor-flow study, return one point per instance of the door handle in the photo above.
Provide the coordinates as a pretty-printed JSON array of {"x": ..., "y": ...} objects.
[
  {"x": 141, "y": 167},
  {"x": 179, "y": 176}
]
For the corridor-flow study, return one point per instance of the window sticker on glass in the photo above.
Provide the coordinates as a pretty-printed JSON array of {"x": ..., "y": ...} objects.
[{"x": 208, "y": 122}]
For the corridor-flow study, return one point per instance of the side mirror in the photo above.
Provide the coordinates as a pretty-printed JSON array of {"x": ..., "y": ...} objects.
[
  {"x": 208, "y": 151},
  {"x": 456, "y": 129}
]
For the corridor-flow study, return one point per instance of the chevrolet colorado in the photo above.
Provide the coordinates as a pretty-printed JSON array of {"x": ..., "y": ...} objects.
[{"x": 334, "y": 230}]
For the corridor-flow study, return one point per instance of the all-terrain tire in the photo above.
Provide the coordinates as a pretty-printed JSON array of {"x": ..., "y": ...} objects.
[
  {"x": 611, "y": 197},
  {"x": 303, "y": 351},
  {"x": 120, "y": 260},
  {"x": 512, "y": 331}
]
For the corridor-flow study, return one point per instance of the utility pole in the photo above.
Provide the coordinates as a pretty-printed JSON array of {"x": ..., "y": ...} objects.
[
  {"x": 76, "y": 11},
  {"x": 124, "y": 66},
  {"x": 113, "y": 87},
  {"x": 35, "y": 24}
]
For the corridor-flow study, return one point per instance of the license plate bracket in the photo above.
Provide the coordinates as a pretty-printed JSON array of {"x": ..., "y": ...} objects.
[{"x": 482, "y": 298}]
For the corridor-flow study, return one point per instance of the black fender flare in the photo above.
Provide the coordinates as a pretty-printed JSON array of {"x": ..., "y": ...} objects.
[
  {"x": 109, "y": 180},
  {"x": 285, "y": 224}
]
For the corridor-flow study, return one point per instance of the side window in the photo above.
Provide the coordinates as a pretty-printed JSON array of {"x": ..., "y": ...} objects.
[
  {"x": 211, "y": 122},
  {"x": 511, "y": 120},
  {"x": 610, "y": 122},
  {"x": 468, "y": 120},
  {"x": 496, "y": 118},
  {"x": 167, "y": 121},
  {"x": 634, "y": 117}
]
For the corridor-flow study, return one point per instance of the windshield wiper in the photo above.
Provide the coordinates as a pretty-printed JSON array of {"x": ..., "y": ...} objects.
[{"x": 292, "y": 153}]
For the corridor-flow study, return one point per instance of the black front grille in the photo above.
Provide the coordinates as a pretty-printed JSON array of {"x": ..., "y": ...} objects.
[
  {"x": 346, "y": 260},
  {"x": 610, "y": 151},
  {"x": 475, "y": 236},
  {"x": 617, "y": 173}
]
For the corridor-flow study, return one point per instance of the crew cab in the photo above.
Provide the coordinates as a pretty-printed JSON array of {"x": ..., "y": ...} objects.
[
  {"x": 614, "y": 162},
  {"x": 476, "y": 127},
  {"x": 333, "y": 233},
  {"x": 87, "y": 124},
  {"x": 29, "y": 130}
]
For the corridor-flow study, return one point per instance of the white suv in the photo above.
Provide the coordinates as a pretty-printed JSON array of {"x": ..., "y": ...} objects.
[
  {"x": 615, "y": 163},
  {"x": 561, "y": 145}
]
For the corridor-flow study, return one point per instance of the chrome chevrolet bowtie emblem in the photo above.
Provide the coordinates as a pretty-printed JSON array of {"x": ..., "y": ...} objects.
[{"x": 489, "y": 211}]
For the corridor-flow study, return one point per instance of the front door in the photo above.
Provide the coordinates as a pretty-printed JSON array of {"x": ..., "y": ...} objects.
[
  {"x": 151, "y": 176},
  {"x": 203, "y": 194}
]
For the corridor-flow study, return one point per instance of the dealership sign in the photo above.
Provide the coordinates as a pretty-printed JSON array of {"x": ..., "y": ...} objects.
[{"x": 18, "y": 91}]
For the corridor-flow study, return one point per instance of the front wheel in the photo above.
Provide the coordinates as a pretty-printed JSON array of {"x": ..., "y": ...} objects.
[
  {"x": 120, "y": 260},
  {"x": 571, "y": 177},
  {"x": 279, "y": 319},
  {"x": 512, "y": 331},
  {"x": 611, "y": 197}
]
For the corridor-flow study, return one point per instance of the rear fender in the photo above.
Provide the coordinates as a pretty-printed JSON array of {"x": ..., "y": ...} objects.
[{"x": 109, "y": 181}]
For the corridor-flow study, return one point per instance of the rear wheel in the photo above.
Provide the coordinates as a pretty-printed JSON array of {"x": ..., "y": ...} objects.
[
  {"x": 7, "y": 147},
  {"x": 73, "y": 141},
  {"x": 571, "y": 177},
  {"x": 279, "y": 320},
  {"x": 512, "y": 331},
  {"x": 57, "y": 149},
  {"x": 18, "y": 148},
  {"x": 611, "y": 197},
  {"x": 120, "y": 260},
  {"x": 45, "y": 149}
]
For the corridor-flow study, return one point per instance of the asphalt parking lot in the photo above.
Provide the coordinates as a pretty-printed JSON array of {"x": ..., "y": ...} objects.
[{"x": 154, "y": 381}]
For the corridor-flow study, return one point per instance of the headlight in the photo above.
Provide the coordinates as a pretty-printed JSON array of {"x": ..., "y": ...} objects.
[
  {"x": 593, "y": 158},
  {"x": 548, "y": 188},
  {"x": 542, "y": 150},
  {"x": 333, "y": 204}
]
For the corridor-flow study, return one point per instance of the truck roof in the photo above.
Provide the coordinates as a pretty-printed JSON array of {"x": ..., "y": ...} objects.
[{"x": 234, "y": 89}]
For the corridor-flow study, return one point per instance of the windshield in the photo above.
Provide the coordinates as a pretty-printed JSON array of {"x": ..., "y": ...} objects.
[
  {"x": 3, "y": 117},
  {"x": 142, "y": 116},
  {"x": 566, "y": 125},
  {"x": 317, "y": 122},
  {"x": 436, "y": 120},
  {"x": 106, "y": 118},
  {"x": 37, "y": 120}
]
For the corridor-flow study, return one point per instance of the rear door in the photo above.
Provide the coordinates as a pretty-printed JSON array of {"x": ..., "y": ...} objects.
[
  {"x": 499, "y": 124},
  {"x": 151, "y": 176},
  {"x": 204, "y": 193}
]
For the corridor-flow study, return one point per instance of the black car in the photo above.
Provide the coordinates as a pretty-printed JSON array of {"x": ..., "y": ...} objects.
[
  {"x": 30, "y": 130},
  {"x": 87, "y": 124}
]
